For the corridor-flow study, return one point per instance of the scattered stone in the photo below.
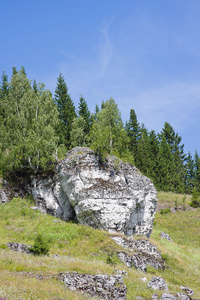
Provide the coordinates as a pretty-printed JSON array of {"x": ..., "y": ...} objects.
[
  {"x": 110, "y": 194},
  {"x": 165, "y": 236},
  {"x": 187, "y": 290},
  {"x": 56, "y": 256},
  {"x": 121, "y": 272},
  {"x": 167, "y": 296},
  {"x": 146, "y": 253},
  {"x": 139, "y": 298},
  {"x": 144, "y": 279},
  {"x": 19, "y": 247},
  {"x": 182, "y": 296},
  {"x": 103, "y": 286},
  {"x": 4, "y": 197},
  {"x": 34, "y": 208},
  {"x": 7, "y": 192},
  {"x": 157, "y": 283},
  {"x": 154, "y": 297},
  {"x": 141, "y": 245}
]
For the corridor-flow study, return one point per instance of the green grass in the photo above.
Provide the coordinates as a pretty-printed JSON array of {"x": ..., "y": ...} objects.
[
  {"x": 86, "y": 250},
  {"x": 171, "y": 199}
]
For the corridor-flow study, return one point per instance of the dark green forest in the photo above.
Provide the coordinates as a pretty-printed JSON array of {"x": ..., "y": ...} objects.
[{"x": 37, "y": 128}]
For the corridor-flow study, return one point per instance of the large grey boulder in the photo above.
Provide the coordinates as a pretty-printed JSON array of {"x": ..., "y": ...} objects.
[{"x": 110, "y": 194}]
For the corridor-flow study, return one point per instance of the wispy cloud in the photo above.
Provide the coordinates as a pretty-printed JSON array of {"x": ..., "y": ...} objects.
[
  {"x": 105, "y": 47},
  {"x": 177, "y": 103}
]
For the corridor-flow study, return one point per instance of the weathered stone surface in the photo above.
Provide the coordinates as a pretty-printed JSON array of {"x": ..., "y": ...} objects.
[
  {"x": 144, "y": 253},
  {"x": 109, "y": 195},
  {"x": 165, "y": 236},
  {"x": 19, "y": 247},
  {"x": 167, "y": 296},
  {"x": 7, "y": 192},
  {"x": 187, "y": 290},
  {"x": 3, "y": 196},
  {"x": 103, "y": 286},
  {"x": 50, "y": 197},
  {"x": 182, "y": 296},
  {"x": 157, "y": 283}
]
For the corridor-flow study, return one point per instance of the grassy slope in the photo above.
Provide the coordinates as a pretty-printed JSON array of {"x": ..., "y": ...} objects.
[{"x": 85, "y": 250}]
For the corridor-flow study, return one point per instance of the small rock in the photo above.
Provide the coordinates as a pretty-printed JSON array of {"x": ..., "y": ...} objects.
[
  {"x": 19, "y": 247},
  {"x": 182, "y": 296},
  {"x": 187, "y": 290},
  {"x": 3, "y": 197},
  {"x": 157, "y": 283},
  {"x": 144, "y": 279},
  {"x": 167, "y": 296},
  {"x": 165, "y": 236},
  {"x": 139, "y": 298},
  {"x": 154, "y": 297},
  {"x": 34, "y": 208}
]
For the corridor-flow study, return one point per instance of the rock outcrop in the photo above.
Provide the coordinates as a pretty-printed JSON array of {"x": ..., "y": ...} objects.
[
  {"x": 144, "y": 254},
  {"x": 157, "y": 283},
  {"x": 103, "y": 286},
  {"x": 110, "y": 194}
]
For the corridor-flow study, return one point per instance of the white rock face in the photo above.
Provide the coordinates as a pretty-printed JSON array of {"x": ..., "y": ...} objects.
[{"x": 109, "y": 195}]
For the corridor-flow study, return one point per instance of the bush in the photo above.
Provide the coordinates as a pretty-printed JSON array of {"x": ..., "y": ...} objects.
[
  {"x": 195, "y": 203},
  {"x": 112, "y": 258},
  {"x": 165, "y": 211},
  {"x": 40, "y": 246},
  {"x": 195, "y": 198}
]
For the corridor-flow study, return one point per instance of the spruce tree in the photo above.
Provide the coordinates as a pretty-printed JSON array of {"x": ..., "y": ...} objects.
[
  {"x": 197, "y": 171},
  {"x": 134, "y": 133},
  {"x": 84, "y": 112},
  {"x": 189, "y": 174},
  {"x": 178, "y": 156},
  {"x": 35, "y": 86},
  {"x": 3, "y": 93},
  {"x": 166, "y": 167},
  {"x": 66, "y": 111},
  {"x": 143, "y": 161}
]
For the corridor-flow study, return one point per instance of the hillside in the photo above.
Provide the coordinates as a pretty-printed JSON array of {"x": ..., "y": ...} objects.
[{"x": 86, "y": 250}]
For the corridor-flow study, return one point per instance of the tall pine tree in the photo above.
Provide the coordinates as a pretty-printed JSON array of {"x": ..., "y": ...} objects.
[
  {"x": 4, "y": 88},
  {"x": 66, "y": 111},
  {"x": 178, "y": 156},
  {"x": 134, "y": 133},
  {"x": 83, "y": 111}
]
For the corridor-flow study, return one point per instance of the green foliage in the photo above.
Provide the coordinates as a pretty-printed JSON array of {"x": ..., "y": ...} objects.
[
  {"x": 112, "y": 258},
  {"x": 195, "y": 198},
  {"x": 165, "y": 211},
  {"x": 66, "y": 111},
  {"x": 134, "y": 133},
  {"x": 3, "y": 246},
  {"x": 28, "y": 134},
  {"x": 79, "y": 134},
  {"x": 41, "y": 246},
  {"x": 176, "y": 203},
  {"x": 83, "y": 111},
  {"x": 108, "y": 133}
]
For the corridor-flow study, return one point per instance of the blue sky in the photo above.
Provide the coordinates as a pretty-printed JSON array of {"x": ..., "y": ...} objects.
[{"x": 145, "y": 54}]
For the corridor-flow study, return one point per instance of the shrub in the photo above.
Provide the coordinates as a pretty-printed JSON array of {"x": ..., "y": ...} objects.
[
  {"x": 195, "y": 198},
  {"x": 165, "y": 211},
  {"x": 40, "y": 246},
  {"x": 112, "y": 258},
  {"x": 3, "y": 246}
]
